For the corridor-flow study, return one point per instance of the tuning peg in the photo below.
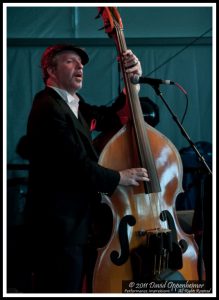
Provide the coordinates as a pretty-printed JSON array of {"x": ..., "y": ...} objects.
[
  {"x": 105, "y": 27},
  {"x": 100, "y": 13}
]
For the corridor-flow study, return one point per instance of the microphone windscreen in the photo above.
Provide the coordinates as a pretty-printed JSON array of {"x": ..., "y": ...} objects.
[{"x": 135, "y": 79}]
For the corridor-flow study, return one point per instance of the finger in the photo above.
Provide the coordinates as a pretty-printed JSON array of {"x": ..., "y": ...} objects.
[
  {"x": 125, "y": 56},
  {"x": 142, "y": 174},
  {"x": 145, "y": 179},
  {"x": 135, "y": 183},
  {"x": 139, "y": 170},
  {"x": 131, "y": 64},
  {"x": 135, "y": 69},
  {"x": 132, "y": 70},
  {"x": 142, "y": 171},
  {"x": 127, "y": 52},
  {"x": 142, "y": 178},
  {"x": 145, "y": 174},
  {"x": 130, "y": 59}
]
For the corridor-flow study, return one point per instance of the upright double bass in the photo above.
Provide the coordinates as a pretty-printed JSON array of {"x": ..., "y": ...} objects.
[{"x": 146, "y": 242}]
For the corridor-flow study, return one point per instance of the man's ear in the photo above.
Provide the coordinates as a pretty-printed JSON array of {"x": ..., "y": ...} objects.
[{"x": 50, "y": 71}]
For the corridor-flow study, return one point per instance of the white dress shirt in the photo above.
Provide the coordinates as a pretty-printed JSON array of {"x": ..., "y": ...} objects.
[{"x": 72, "y": 102}]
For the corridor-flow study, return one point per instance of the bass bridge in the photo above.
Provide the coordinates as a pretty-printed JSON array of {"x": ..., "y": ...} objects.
[{"x": 159, "y": 254}]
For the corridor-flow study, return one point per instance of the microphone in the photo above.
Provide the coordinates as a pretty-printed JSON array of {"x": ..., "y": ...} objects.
[{"x": 152, "y": 81}]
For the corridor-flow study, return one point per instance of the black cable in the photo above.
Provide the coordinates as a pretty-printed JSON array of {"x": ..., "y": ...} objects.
[{"x": 180, "y": 51}]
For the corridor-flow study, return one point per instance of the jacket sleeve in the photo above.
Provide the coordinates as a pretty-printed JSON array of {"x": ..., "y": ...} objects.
[
  {"x": 106, "y": 117},
  {"x": 52, "y": 138}
]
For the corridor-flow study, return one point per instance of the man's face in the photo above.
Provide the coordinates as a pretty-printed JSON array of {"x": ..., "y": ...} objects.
[{"x": 68, "y": 73}]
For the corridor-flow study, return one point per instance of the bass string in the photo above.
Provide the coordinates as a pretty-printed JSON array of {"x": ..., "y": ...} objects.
[{"x": 139, "y": 125}]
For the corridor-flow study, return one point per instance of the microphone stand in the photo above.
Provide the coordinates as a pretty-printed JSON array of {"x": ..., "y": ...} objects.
[
  {"x": 202, "y": 160},
  {"x": 184, "y": 133}
]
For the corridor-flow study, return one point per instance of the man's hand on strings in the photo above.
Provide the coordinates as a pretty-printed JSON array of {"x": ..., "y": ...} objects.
[
  {"x": 131, "y": 63},
  {"x": 133, "y": 176},
  {"x": 132, "y": 66}
]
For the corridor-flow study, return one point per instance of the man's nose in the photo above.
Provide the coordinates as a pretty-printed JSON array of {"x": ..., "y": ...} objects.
[{"x": 80, "y": 65}]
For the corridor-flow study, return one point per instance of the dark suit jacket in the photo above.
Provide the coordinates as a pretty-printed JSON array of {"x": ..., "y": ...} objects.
[{"x": 64, "y": 178}]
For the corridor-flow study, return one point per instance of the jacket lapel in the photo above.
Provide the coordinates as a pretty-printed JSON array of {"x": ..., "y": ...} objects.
[{"x": 79, "y": 122}]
